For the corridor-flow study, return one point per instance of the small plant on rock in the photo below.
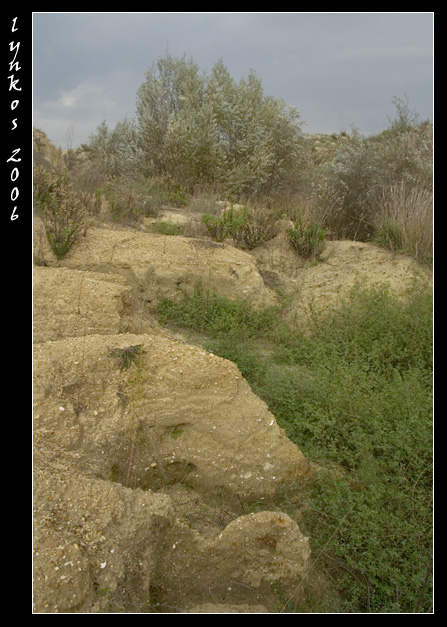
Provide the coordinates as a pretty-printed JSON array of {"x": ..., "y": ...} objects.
[{"x": 127, "y": 356}]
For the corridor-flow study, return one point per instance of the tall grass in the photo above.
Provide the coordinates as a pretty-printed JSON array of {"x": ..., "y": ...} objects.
[
  {"x": 355, "y": 394},
  {"x": 404, "y": 222}
]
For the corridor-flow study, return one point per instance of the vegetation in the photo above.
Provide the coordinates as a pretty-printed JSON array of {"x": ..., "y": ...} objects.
[
  {"x": 225, "y": 225},
  {"x": 197, "y": 133},
  {"x": 308, "y": 240},
  {"x": 167, "y": 228},
  {"x": 355, "y": 394},
  {"x": 127, "y": 356},
  {"x": 200, "y": 135},
  {"x": 63, "y": 209},
  {"x": 369, "y": 183}
]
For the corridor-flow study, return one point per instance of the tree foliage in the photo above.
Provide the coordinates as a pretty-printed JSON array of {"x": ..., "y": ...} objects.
[{"x": 205, "y": 129}]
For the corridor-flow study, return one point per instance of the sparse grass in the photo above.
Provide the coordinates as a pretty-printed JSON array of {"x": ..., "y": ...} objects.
[{"x": 355, "y": 394}]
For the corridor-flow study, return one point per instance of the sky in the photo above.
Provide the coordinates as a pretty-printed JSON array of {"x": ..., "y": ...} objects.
[{"x": 340, "y": 70}]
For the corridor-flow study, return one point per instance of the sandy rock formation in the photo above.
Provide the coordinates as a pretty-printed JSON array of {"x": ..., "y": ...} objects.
[
  {"x": 75, "y": 303},
  {"x": 253, "y": 554},
  {"x": 45, "y": 153},
  {"x": 343, "y": 263},
  {"x": 140, "y": 473},
  {"x": 91, "y": 537},
  {"x": 119, "y": 453},
  {"x": 186, "y": 414}
]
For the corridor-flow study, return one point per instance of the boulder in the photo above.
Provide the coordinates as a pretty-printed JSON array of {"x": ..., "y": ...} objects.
[
  {"x": 253, "y": 557},
  {"x": 343, "y": 263},
  {"x": 142, "y": 474},
  {"x": 91, "y": 537}
]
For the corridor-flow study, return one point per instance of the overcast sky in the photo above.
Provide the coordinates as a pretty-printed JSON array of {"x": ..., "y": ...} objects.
[{"x": 341, "y": 70}]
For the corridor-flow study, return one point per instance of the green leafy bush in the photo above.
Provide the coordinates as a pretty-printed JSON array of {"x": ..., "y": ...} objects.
[
  {"x": 260, "y": 225},
  {"x": 225, "y": 225},
  {"x": 204, "y": 128},
  {"x": 308, "y": 240}
]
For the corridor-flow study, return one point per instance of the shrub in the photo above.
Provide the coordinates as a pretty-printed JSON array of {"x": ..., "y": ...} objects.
[
  {"x": 229, "y": 223},
  {"x": 204, "y": 128},
  {"x": 349, "y": 186},
  {"x": 260, "y": 225},
  {"x": 127, "y": 206},
  {"x": 62, "y": 207},
  {"x": 166, "y": 228},
  {"x": 404, "y": 221},
  {"x": 308, "y": 240}
]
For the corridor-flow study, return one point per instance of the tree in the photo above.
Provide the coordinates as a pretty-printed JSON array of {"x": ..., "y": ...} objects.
[
  {"x": 211, "y": 130},
  {"x": 171, "y": 87},
  {"x": 101, "y": 146}
]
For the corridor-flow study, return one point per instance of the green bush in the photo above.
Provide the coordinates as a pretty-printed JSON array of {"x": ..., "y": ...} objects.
[
  {"x": 204, "y": 128},
  {"x": 166, "y": 228},
  {"x": 260, "y": 225},
  {"x": 309, "y": 240},
  {"x": 226, "y": 225}
]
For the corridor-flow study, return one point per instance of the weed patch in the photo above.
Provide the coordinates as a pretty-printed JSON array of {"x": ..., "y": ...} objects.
[{"x": 355, "y": 394}]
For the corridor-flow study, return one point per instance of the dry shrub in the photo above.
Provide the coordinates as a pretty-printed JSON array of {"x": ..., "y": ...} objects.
[
  {"x": 127, "y": 206},
  {"x": 404, "y": 221},
  {"x": 260, "y": 225},
  {"x": 64, "y": 210}
]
